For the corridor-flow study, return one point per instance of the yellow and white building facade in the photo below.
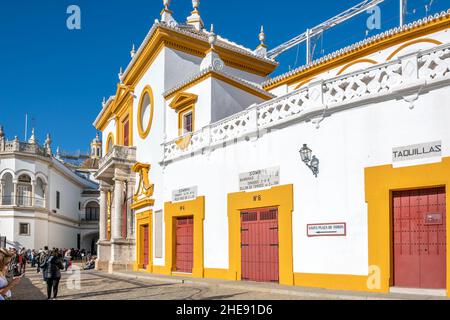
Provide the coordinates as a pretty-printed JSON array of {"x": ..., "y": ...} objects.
[{"x": 202, "y": 175}]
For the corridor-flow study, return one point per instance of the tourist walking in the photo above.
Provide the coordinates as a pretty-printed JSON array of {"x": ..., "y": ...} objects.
[
  {"x": 5, "y": 285},
  {"x": 52, "y": 271},
  {"x": 23, "y": 260},
  {"x": 67, "y": 258}
]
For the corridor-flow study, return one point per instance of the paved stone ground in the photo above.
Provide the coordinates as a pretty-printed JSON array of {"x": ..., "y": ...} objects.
[{"x": 101, "y": 286}]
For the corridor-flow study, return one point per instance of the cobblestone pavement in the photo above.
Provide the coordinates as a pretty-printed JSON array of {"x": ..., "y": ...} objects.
[{"x": 101, "y": 286}]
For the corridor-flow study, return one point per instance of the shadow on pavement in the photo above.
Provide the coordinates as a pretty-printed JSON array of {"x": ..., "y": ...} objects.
[{"x": 26, "y": 290}]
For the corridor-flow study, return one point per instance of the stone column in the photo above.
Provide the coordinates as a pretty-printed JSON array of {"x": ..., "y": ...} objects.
[
  {"x": 116, "y": 225},
  {"x": 33, "y": 193},
  {"x": 103, "y": 232},
  {"x": 14, "y": 200},
  {"x": 130, "y": 216},
  {"x": 2, "y": 191}
]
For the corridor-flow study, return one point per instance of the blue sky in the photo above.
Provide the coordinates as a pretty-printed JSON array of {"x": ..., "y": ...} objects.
[{"x": 59, "y": 76}]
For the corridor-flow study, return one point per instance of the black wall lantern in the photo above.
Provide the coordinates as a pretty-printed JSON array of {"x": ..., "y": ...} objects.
[{"x": 311, "y": 161}]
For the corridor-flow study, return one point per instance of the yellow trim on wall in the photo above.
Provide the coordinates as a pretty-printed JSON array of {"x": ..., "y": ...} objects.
[
  {"x": 182, "y": 99},
  {"x": 195, "y": 208},
  {"x": 108, "y": 140},
  {"x": 281, "y": 197},
  {"x": 302, "y": 83},
  {"x": 163, "y": 37},
  {"x": 143, "y": 133},
  {"x": 371, "y": 61},
  {"x": 265, "y": 96},
  {"x": 181, "y": 113},
  {"x": 126, "y": 113},
  {"x": 143, "y": 219},
  {"x": 380, "y": 182},
  {"x": 377, "y": 45},
  {"x": 408, "y": 44},
  {"x": 222, "y": 274}
]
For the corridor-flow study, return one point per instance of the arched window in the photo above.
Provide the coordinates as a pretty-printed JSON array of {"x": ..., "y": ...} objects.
[
  {"x": 109, "y": 143},
  {"x": 92, "y": 211},
  {"x": 7, "y": 190},
  {"x": 24, "y": 191}
]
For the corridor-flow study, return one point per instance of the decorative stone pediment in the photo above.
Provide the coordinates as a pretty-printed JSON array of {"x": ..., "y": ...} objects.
[
  {"x": 182, "y": 100},
  {"x": 145, "y": 190}
]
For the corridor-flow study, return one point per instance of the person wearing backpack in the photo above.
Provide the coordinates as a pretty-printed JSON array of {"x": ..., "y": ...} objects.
[
  {"x": 52, "y": 272},
  {"x": 42, "y": 259}
]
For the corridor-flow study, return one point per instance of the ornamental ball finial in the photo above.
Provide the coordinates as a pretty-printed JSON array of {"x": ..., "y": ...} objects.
[
  {"x": 212, "y": 38},
  {"x": 166, "y": 4},
  {"x": 262, "y": 35},
  {"x": 195, "y": 4}
]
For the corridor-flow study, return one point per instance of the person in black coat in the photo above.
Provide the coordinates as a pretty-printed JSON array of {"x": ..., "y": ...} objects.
[{"x": 52, "y": 272}]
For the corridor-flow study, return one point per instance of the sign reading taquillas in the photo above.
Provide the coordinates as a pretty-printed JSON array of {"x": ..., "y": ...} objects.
[{"x": 418, "y": 151}]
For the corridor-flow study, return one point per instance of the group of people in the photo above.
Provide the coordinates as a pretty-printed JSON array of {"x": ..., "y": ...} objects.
[{"x": 13, "y": 265}]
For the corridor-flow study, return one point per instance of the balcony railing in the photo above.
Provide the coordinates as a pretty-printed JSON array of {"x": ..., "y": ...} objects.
[
  {"x": 399, "y": 77},
  {"x": 22, "y": 201},
  {"x": 119, "y": 153},
  {"x": 23, "y": 147}
]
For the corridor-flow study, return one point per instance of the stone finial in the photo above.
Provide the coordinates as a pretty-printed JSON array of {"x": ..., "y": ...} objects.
[
  {"x": 261, "y": 50},
  {"x": 48, "y": 142},
  {"x": 262, "y": 36},
  {"x": 212, "y": 37},
  {"x": 2, "y": 132},
  {"x": 166, "y": 4},
  {"x": 133, "y": 52},
  {"x": 120, "y": 74},
  {"x": 103, "y": 102},
  {"x": 212, "y": 59},
  {"x": 195, "y": 5},
  {"x": 48, "y": 139},
  {"x": 58, "y": 153},
  {"x": 32, "y": 139},
  {"x": 166, "y": 14},
  {"x": 195, "y": 19}
]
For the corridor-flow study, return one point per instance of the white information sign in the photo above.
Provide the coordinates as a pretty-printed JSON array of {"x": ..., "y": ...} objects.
[
  {"x": 259, "y": 179},
  {"x": 327, "y": 230},
  {"x": 184, "y": 194}
]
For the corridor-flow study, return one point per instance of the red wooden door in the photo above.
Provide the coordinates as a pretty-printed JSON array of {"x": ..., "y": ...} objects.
[
  {"x": 184, "y": 244},
  {"x": 420, "y": 238},
  {"x": 145, "y": 244},
  {"x": 259, "y": 245},
  {"x": 126, "y": 133}
]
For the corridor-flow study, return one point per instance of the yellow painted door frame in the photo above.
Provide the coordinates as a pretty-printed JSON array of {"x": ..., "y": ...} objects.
[
  {"x": 380, "y": 183},
  {"x": 143, "y": 219},
  {"x": 281, "y": 197},
  {"x": 195, "y": 208}
]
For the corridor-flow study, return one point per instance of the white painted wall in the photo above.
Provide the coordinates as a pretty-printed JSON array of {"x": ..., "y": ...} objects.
[
  {"x": 58, "y": 229},
  {"x": 346, "y": 143}
]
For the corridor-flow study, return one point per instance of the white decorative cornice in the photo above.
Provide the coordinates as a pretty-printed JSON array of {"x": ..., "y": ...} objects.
[
  {"x": 203, "y": 36},
  {"x": 213, "y": 69}
]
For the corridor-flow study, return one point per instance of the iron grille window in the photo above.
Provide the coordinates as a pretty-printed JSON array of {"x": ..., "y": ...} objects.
[{"x": 24, "y": 229}]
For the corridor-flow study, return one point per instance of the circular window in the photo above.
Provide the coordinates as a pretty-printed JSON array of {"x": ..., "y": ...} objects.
[{"x": 145, "y": 112}]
